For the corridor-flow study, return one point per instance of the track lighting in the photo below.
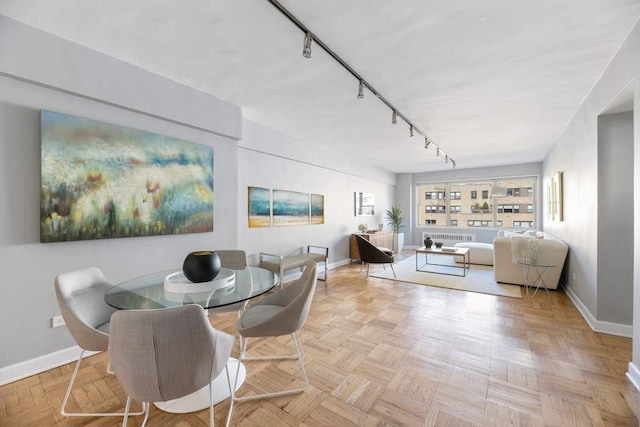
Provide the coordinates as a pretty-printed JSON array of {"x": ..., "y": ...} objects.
[
  {"x": 446, "y": 159},
  {"x": 310, "y": 38},
  {"x": 306, "y": 50}
]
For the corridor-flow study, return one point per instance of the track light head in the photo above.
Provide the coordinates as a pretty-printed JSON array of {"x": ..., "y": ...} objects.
[
  {"x": 446, "y": 159},
  {"x": 394, "y": 118},
  {"x": 306, "y": 50},
  {"x": 453, "y": 164},
  {"x": 361, "y": 90},
  {"x": 437, "y": 151},
  {"x": 426, "y": 142},
  {"x": 410, "y": 130}
]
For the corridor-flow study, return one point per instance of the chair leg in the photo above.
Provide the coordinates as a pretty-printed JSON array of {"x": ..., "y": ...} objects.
[
  {"x": 299, "y": 351},
  {"x": 145, "y": 406},
  {"x": 126, "y": 412},
  {"x": 231, "y": 393},
  {"x": 63, "y": 411},
  {"x": 210, "y": 404},
  {"x": 368, "y": 266},
  {"x": 394, "y": 272}
]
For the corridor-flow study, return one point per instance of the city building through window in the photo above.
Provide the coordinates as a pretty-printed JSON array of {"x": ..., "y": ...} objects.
[{"x": 456, "y": 203}]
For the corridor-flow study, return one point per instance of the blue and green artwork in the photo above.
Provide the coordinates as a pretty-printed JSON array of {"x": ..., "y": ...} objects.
[
  {"x": 102, "y": 181},
  {"x": 259, "y": 207},
  {"x": 290, "y": 208},
  {"x": 317, "y": 209}
]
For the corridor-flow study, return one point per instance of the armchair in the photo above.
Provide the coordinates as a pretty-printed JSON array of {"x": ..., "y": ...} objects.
[{"x": 373, "y": 255}]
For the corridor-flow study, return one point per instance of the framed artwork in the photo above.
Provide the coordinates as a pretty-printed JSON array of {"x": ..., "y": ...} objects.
[
  {"x": 290, "y": 208},
  {"x": 101, "y": 181},
  {"x": 259, "y": 207},
  {"x": 364, "y": 204},
  {"x": 317, "y": 209},
  {"x": 556, "y": 195}
]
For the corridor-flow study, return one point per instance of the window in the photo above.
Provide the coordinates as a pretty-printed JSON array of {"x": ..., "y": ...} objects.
[
  {"x": 434, "y": 195},
  {"x": 472, "y": 203},
  {"x": 523, "y": 224},
  {"x": 434, "y": 209},
  {"x": 429, "y": 222},
  {"x": 480, "y": 223},
  {"x": 509, "y": 208}
]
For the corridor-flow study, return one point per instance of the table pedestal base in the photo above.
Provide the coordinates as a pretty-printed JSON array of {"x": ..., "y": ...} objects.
[{"x": 200, "y": 399}]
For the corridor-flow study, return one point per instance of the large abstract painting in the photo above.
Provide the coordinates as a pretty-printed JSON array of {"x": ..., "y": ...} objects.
[
  {"x": 105, "y": 181},
  {"x": 290, "y": 208},
  {"x": 259, "y": 207}
]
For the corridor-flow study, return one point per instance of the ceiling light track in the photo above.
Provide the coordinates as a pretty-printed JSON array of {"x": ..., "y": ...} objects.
[{"x": 362, "y": 83}]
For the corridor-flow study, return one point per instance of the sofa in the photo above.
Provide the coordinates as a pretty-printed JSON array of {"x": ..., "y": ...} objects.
[{"x": 551, "y": 250}]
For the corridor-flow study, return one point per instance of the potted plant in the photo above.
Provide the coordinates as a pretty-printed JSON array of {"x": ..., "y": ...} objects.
[{"x": 394, "y": 219}]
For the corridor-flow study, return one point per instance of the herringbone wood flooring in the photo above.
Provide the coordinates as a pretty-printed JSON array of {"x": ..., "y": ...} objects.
[{"x": 379, "y": 352}]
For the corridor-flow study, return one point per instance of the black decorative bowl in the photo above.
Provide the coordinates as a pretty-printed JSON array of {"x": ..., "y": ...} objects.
[
  {"x": 438, "y": 244},
  {"x": 201, "y": 266}
]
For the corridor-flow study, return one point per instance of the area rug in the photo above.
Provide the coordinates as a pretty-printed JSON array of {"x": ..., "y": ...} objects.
[{"x": 479, "y": 278}]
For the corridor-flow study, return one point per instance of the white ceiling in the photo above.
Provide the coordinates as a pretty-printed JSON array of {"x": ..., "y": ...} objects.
[{"x": 491, "y": 82}]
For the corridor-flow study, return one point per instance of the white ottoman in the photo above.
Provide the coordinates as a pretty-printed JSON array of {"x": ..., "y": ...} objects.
[{"x": 479, "y": 253}]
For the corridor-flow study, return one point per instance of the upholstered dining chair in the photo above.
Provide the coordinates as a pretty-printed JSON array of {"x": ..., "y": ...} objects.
[
  {"x": 371, "y": 254},
  {"x": 160, "y": 355},
  {"x": 80, "y": 296},
  {"x": 282, "y": 313},
  {"x": 234, "y": 259}
]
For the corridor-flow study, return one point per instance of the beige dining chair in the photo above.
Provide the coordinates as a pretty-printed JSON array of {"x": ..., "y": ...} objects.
[
  {"x": 160, "y": 355},
  {"x": 80, "y": 296},
  {"x": 281, "y": 313},
  {"x": 234, "y": 259}
]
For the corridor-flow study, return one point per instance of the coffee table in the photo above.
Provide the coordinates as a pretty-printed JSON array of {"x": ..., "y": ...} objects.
[{"x": 455, "y": 252}]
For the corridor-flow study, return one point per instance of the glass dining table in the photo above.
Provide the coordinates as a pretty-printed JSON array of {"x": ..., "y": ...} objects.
[
  {"x": 152, "y": 291},
  {"x": 149, "y": 291}
]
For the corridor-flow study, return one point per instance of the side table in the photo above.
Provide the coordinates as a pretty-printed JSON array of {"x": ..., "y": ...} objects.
[{"x": 540, "y": 271}]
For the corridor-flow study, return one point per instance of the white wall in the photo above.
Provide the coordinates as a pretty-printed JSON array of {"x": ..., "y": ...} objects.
[
  {"x": 296, "y": 166},
  {"x": 64, "y": 77},
  {"x": 615, "y": 218},
  {"x": 576, "y": 154}
]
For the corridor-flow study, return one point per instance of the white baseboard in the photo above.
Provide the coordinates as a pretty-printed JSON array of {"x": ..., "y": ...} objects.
[
  {"x": 633, "y": 374},
  {"x": 610, "y": 328},
  {"x": 31, "y": 367}
]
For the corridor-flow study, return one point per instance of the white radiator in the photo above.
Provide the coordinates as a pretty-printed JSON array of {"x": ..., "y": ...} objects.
[{"x": 449, "y": 238}]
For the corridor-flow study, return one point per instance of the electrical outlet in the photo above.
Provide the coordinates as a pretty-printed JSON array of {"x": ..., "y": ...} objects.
[
  {"x": 57, "y": 321},
  {"x": 574, "y": 275}
]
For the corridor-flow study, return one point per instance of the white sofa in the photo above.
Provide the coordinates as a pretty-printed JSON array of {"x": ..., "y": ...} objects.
[{"x": 551, "y": 250}]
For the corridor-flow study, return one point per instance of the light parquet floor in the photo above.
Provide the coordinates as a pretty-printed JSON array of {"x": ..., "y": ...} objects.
[{"x": 380, "y": 352}]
